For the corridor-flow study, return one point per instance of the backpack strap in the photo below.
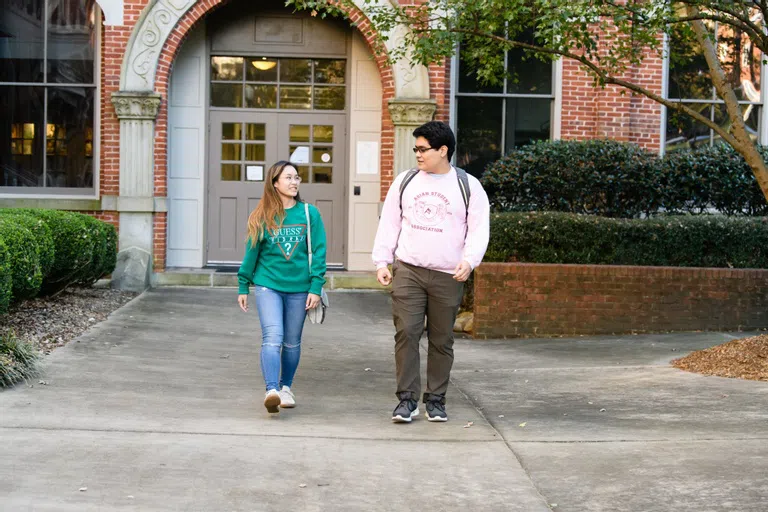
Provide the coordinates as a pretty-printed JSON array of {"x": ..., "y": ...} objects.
[
  {"x": 461, "y": 176},
  {"x": 408, "y": 178}
]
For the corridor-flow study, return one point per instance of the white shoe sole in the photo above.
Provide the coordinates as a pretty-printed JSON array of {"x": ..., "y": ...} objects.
[
  {"x": 272, "y": 403},
  {"x": 401, "y": 419},
  {"x": 436, "y": 418},
  {"x": 287, "y": 405}
]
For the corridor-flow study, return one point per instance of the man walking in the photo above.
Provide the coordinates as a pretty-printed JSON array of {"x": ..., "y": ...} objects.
[{"x": 435, "y": 221}]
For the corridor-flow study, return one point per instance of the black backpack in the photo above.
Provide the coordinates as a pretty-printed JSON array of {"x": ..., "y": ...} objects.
[{"x": 461, "y": 175}]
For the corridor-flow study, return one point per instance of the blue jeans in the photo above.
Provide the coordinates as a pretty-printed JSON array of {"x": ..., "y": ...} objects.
[{"x": 282, "y": 319}]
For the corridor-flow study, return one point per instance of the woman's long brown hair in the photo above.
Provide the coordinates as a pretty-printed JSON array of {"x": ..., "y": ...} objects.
[{"x": 269, "y": 213}]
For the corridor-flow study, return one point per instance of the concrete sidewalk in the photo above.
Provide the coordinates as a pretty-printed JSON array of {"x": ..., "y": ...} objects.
[{"x": 159, "y": 408}]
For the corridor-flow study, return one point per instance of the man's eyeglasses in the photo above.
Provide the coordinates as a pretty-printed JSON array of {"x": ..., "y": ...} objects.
[{"x": 421, "y": 151}]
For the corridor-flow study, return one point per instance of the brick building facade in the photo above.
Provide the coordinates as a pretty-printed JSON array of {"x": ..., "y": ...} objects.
[{"x": 185, "y": 98}]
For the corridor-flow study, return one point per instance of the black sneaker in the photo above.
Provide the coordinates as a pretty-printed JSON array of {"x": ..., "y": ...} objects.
[
  {"x": 435, "y": 407},
  {"x": 406, "y": 410}
]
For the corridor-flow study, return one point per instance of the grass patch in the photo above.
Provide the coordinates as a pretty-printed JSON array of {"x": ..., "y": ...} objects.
[{"x": 19, "y": 360}]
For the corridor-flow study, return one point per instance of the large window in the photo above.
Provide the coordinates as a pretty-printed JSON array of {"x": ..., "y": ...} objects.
[
  {"x": 490, "y": 121},
  {"x": 690, "y": 82},
  {"x": 47, "y": 96},
  {"x": 270, "y": 83}
]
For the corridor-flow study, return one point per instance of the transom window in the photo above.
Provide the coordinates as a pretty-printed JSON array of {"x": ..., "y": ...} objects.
[
  {"x": 690, "y": 82},
  {"x": 272, "y": 83},
  {"x": 492, "y": 120},
  {"x": 47, "y": 95}
]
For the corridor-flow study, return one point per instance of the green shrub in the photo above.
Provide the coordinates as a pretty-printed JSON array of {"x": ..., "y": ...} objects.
[
  {"x": 18, "y": 360},
  {"x": 24, "y": 257},
  {"x": 105, "y": 251},
  {"x": 74, "y": 241},
  {"x": 682, "y": 241},
  {"x": 600, "y": 177},
  {"x": 42, "y": 234},
  {"x": 6, "y": 279},
  {"x": 615, "y": 179}
]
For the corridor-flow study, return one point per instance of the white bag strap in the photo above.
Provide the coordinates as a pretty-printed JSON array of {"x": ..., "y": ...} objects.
[{"x": 309, "y": 235}]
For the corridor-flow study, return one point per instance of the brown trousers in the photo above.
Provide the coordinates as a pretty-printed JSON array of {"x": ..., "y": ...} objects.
[{"x": 417, "y": 292}]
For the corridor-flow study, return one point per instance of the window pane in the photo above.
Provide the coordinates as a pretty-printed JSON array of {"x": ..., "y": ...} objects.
[
  {"x": 750, "y": 114},
  {"x": 227, "y": 95},
  {"x": 298, "y": 133},
  {"x": 260, "y": 96},
  {"x": 255, "y": 152},
  {"x": 689, "y": 76},
  {"x": 226, "y": 68},
  {"x": 255, "y": 131},
  {"x": 322, "y": 133},
  {"x": 230, "y": 172},
  {"x": 322, "y": 174},
  {"x": 230, "y": 131},
  {"x": 322, "y": 155},
  {"x": 261, "y": 69},
  {"x": 71, "y": 34},
  {"x": 21, "y": 33},
  {"x": 527, "y": 74},
  {"x": 21, "y": 136},
  {"x": 295, "y": 70},
  {"x": 329, "y": 98},
  {"x": 230, "y": 151},
  {"x": 468, "y": 81},
  {"x": 70, "y": 111},
  {"x": 303, "y": 171},
  {"x": 330, "y": 71},
  {"x": 527, "y": 120},
  {"x": 295, "y": 97},
  {"x": 741, "y": 62},
  {"x": 478, "y": 130},
  {"x": 684, "y": 132}
]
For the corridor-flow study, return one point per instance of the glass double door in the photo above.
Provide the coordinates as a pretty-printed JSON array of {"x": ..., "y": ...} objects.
[{"x": 243, "y": 146}]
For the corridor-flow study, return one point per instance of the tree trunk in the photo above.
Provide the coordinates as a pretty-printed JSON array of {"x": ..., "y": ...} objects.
[{"x": 744, "y": 144}]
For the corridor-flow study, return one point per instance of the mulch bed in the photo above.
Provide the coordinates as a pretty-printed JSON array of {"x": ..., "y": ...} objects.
[
  {"x": 50, "y": 322},
  {"x": 746, "y": 358}
]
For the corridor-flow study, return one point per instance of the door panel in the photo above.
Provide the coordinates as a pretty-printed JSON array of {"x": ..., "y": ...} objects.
[
  {"x": 242, "y": 147},
  {"x": 317, "y": 144}
]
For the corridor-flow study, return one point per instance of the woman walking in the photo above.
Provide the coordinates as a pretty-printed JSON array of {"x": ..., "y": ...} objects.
[{"x": 276, "y": 262}]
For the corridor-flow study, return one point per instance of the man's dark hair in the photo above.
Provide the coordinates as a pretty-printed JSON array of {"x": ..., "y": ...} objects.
[{"x": 438, "y": 134}]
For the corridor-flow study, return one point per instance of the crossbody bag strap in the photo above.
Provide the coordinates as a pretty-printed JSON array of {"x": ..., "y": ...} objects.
[{"x": 309, "y": 235}]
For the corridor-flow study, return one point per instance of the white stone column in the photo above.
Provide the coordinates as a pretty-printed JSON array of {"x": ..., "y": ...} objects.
[
  {"x": 407, "y": 115},
  {"x": 137, "y": 112}
]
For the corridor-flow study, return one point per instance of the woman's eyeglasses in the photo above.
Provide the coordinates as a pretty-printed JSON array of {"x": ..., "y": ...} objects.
[{"x": 289, "y": 179}]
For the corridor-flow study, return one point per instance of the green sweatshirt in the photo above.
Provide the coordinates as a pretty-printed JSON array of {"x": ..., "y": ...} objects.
[{"x": 280, "y": 260}]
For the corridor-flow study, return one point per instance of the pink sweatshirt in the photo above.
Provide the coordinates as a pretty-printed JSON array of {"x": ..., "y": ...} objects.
[{"x": 430, "y": 232}]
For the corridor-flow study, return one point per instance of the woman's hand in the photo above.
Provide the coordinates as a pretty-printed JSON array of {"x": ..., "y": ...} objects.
[
  {"x": 312, "y": 301},
  {"x": 242, "y": 301}
]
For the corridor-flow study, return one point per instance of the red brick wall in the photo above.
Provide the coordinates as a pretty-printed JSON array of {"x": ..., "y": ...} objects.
[
  {"x": 612, "y": 112},
  {"x": 518, "y": 299}
]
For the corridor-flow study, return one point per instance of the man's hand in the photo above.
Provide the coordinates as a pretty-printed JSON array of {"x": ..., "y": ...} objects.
[
  {"x": 242, "y": 301},
  {"x": 383, "y": 276},
  {"x": 462, "y": 271},
  {"x": 312, "y": 301}
]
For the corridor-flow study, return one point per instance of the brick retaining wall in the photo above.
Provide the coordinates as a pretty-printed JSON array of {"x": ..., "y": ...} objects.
[{"x": 523, "y": 299}]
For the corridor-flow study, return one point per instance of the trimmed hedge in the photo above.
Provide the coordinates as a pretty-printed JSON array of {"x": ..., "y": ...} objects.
[
  {"x": 6, "y": 281},
  {"x": 679, "y": 241},
  {"x": 617, "y": 179},
  {"x": 57, "y": 247},
  {"x": 24, "y": 256}
]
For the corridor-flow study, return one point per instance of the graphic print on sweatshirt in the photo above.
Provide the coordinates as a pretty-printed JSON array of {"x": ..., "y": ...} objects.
[
  {"x": 430, "y": 209},
  {"x": 288, "y": 237}
]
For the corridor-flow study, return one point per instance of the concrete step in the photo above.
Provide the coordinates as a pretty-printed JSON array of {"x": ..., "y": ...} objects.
[{"x": 335, "y": 280}]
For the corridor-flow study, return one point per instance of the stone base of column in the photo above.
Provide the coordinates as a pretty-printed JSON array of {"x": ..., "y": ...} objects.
[{"x": 134, "y": 258}]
